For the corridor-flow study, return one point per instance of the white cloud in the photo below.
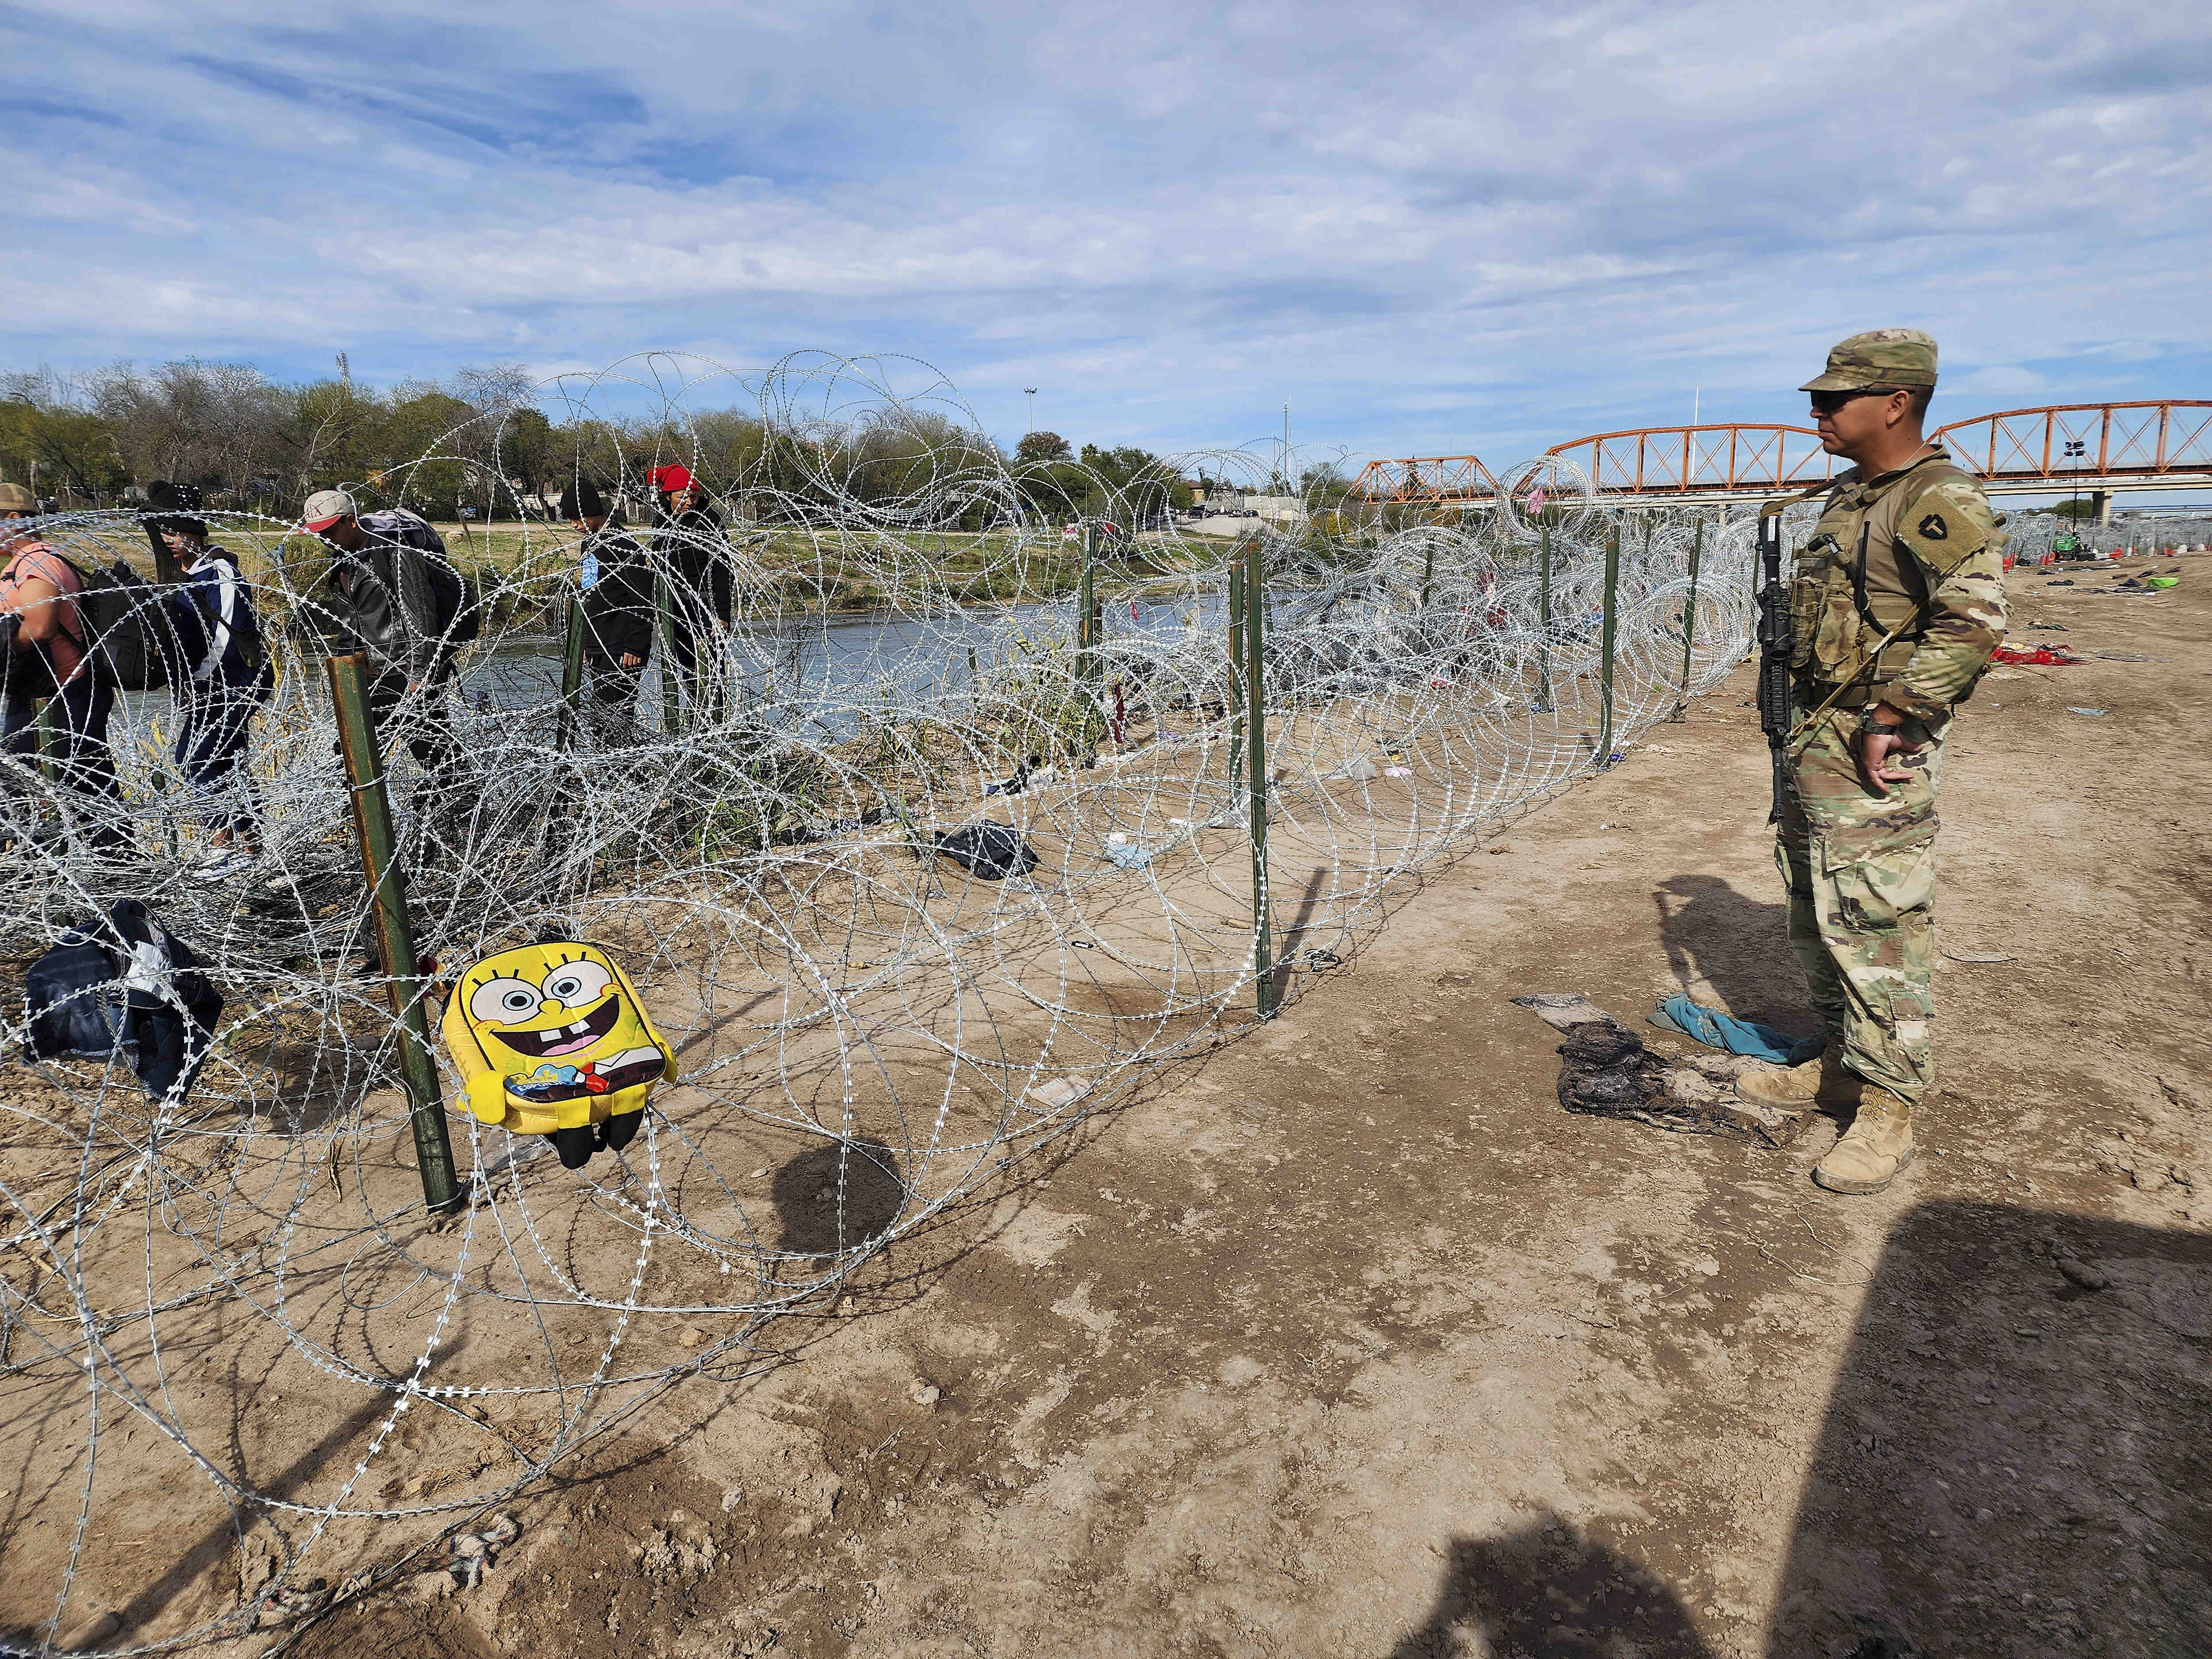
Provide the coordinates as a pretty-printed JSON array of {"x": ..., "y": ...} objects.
[{"x": 1433, "y": 228}]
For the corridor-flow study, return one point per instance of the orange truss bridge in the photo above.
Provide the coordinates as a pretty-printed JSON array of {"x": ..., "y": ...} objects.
[{"x": 2086, "y": 447}]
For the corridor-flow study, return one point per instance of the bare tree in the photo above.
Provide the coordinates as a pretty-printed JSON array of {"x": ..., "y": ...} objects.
[{"x": 212, "y": 424}]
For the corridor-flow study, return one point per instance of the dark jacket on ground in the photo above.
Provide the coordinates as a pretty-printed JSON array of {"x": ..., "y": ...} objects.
[
  {"x": 123, "y": 984},
  {"x": 379, "y": 600},
  {"x": 696, "y": 553},
  {"x": 618, "y": 615}
]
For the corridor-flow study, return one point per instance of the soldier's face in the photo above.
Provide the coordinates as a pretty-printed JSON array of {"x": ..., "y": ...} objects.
[{"x": 1847, "y": 425}]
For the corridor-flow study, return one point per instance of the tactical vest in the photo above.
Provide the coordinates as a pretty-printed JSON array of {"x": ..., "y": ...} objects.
[{"x": 1853, "y": 586}]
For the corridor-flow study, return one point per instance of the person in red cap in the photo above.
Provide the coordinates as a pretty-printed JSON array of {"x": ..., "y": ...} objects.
[{"x": 689, "y": 544}]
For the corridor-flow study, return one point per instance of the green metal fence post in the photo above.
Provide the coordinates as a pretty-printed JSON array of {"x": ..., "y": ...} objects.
[
  {"x": 1086, "y": 618},
  {"x": 1236, "y": 671},
  {"x": 1606, "y": 645},
  {"x": 395, "y": 936},
  {"x": 1690, "y": 607},
  {"x": 1754, "y": 597},
  {"x": 1255, "y": 662},
  {"x": 572, "y": 674},
  {"x": 1544, "y": 621}
]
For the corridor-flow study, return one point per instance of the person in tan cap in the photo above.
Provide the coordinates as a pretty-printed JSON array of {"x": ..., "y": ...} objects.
[
  {"x": 394, "y": 596},
  {"x": 1896, "y": 604}
]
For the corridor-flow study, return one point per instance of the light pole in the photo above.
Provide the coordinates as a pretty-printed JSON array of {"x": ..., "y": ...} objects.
[{"x": 1029, "y": 391}]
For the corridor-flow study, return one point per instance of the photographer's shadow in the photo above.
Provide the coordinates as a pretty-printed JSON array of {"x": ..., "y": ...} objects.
[{"x": 2010, "y": 1463}]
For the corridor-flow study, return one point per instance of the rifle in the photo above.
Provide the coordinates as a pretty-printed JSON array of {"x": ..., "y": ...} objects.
[{"x": 1774, "y": 645}]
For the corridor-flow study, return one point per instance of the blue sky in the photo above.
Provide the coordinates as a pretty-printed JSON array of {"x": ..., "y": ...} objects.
[{"x": 1433, "y": 229}]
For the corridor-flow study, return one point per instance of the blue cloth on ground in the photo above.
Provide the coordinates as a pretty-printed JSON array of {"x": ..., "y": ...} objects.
[{"x": 1738, "y": 1036}]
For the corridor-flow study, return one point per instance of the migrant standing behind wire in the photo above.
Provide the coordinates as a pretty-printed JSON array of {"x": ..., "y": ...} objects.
[
  {"x": 691, "y": 546},
  {"x": 46, "y": 647},
  {"x": 222, "y": 679},
  {"x": 617, "y": 613},
  {"x": 384, "y": 599}
]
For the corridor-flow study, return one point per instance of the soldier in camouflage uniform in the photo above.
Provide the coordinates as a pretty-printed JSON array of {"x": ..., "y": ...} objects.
[{"x": 1897, "y": 603}]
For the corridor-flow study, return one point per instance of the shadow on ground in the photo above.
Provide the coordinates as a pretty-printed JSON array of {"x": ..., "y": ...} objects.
[
  {"x": 838, "y": 1196},
  {"x": 2012, "y": 1464},
  {"x": 1738, "y": 946},
  {"x": 1548, "y": 1589}
]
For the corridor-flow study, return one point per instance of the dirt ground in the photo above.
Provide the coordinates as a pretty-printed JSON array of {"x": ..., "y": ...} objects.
[{"x": 1349, "y": 1341}]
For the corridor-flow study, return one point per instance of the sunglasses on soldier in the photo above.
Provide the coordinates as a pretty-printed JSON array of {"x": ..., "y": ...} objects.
[{"x": 1827, "y": 402}]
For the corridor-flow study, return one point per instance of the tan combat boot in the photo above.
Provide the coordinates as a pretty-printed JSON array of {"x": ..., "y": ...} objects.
[
  {"x": 1874, "y": 1149},
  {"x": 1821, "y": 1078}
]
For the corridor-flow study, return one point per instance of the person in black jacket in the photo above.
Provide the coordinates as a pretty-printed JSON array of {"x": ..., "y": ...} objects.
[
  {"x": 689, "y": 543},
  {"x": 618, "y": 613}
]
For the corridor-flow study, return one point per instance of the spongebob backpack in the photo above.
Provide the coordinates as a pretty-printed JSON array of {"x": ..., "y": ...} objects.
[{"x": 553, "y": 1037}]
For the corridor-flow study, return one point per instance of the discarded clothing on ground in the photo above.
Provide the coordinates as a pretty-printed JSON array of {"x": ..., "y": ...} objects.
[
  {"x": 2041, "y": 656},
  {"x": 1608, "y": 1073},
  {"x": 1126, "y": 854},
  {"x": 123, "y": 985},
  {"x": 1738, "y": 1036},
  {"x": 993, "y": 851}
]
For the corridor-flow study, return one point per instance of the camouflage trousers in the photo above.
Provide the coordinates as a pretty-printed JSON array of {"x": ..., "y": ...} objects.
[{"x": 1861, "y": 871}]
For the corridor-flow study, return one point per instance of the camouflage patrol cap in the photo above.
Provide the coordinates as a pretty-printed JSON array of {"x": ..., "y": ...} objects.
[{"x": 1881, "y": 356}]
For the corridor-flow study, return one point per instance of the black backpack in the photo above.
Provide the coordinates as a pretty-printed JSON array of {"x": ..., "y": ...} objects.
[
  {"x": 460, "y": 613},
  {"x": 460, "y": 610},
  {"x": 123, "y": 984},
  {"x": 126, "y": 627},
  {"x": 120, "y": 626}
]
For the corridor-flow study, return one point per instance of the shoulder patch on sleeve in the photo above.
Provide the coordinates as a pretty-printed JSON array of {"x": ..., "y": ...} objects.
[{"x": 1947, "y": 521}]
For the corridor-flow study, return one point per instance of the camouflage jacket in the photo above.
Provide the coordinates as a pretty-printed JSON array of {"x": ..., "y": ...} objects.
[{"x": 1921, "y": 535}]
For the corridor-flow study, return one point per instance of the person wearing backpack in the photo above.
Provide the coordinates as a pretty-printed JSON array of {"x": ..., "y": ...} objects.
[
  {"x": 221, "y": 678},
  {"x": 46, "y": 656},
  {"x": 394, "y": 596}
]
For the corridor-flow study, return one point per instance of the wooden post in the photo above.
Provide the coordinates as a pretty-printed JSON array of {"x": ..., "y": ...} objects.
[
  {"x": 1255, "y": 660},
  {"x": 48, "y": 742},
  {"x": 1606, "y": 646},
  {"x": 395, "y": 936}
]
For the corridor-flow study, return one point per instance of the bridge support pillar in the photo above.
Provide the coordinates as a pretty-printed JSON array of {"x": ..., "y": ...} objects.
[{"x": 2100, "y": 506}]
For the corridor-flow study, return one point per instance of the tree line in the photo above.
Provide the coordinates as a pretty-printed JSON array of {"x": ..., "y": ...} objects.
[{"x": 478, "y": 446}]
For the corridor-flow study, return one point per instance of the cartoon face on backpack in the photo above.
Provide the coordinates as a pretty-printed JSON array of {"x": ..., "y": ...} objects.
[{"x": 552, "y": 1036}]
